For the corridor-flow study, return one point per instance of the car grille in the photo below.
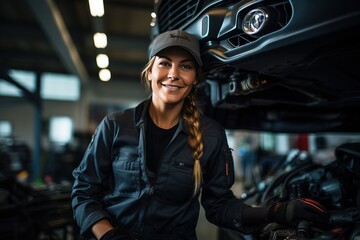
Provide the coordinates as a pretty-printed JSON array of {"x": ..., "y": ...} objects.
[{"x": 174, "y": 14}]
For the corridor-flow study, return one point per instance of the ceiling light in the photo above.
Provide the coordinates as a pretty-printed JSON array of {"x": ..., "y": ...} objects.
[
  {"x": 100, "y": 40},
  {"x": 104, "y": 75},
  {"x": 96, "y": 8},
  {"x": 102, "y": 60}
]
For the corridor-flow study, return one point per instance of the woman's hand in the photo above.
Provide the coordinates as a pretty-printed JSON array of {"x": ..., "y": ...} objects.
[
  {"x": 101, "y": 227},
  {"x": 298, "y": 209}
]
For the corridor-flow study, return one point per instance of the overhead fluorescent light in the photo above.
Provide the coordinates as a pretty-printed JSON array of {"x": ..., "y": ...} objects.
[
  {"x": 104, "y": 75},
  {"x": 96, "y": 8},
  {"x": 100, "y": 40},
  {"x": 102, "y": 60}
]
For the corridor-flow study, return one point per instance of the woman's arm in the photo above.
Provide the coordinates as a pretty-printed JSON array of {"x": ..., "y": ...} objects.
[{"x": 91, "y": 180}]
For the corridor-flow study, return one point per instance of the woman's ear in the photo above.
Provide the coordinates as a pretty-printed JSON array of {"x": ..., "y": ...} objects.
[{"x": 149, "y": 76}]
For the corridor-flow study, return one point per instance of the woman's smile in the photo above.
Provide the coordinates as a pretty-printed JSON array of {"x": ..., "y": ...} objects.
[{"x": 171, "y": 86}]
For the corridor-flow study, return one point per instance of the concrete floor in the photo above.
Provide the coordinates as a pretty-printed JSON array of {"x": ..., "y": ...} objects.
[{"x": 206, "y": 230}]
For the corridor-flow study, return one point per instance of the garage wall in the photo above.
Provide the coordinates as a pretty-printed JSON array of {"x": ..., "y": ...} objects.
[{"x": 21, "y": 113}]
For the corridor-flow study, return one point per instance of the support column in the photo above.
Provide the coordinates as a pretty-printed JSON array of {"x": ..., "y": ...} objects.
[{"x": 36, "y": 159}]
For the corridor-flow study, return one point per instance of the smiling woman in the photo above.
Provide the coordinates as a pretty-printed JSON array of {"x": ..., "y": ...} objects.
[{"x": 168, "y": 150}]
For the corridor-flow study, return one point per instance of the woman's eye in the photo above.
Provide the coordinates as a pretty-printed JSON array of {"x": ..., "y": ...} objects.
[
  {"x": 164, "y": 64},
  {"x": 186, "y": 66}
]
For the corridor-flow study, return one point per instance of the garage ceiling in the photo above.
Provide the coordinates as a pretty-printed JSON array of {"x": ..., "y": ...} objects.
[{"x": 57, "y": 36}]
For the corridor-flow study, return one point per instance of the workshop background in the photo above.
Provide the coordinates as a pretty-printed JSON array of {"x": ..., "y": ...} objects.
[{"x": 61, "y": 71}]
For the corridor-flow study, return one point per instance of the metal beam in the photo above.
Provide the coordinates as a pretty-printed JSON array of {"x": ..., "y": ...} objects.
[{"x": 50, "y": 19}]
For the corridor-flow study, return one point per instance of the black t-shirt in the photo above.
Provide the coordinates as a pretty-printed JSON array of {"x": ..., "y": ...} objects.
[{"x": 156, "y": 141}]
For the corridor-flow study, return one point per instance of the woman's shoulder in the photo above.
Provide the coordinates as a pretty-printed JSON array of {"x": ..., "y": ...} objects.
[
  {"x": 127, "y": 115},
  {"x": 211, "y": 126},
  {"x": 121, "y": 114},
  {"x": 117, "y": 116},
  {"x": 120, "y": 119}
]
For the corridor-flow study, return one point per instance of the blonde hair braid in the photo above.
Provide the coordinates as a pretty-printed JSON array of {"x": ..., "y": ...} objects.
[{"x": 191, "y": 114}]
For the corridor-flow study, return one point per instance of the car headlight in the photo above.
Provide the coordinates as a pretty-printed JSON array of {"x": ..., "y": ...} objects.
[{"x": 254, "y": 21}]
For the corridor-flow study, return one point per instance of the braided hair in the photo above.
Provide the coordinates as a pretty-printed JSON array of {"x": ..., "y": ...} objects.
[{"x": 191, "y": 114}]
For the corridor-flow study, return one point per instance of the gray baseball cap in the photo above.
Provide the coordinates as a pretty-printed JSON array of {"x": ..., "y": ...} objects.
[{"x": 176, "y": 38}]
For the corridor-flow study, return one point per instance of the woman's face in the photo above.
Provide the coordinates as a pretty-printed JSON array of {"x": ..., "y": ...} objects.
[{"x": 172, "y": 76}]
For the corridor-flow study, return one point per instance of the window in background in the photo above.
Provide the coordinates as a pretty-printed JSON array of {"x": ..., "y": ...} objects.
[
  {"x": 5, "y": 129},
  {"x": 60, "y": 129},
  {"x": 25, "y": 78},
  {"x": 56, "y": 86}
]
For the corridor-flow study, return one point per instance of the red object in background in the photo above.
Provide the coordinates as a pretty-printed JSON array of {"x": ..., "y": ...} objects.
[{"x": 303, "y": 142}]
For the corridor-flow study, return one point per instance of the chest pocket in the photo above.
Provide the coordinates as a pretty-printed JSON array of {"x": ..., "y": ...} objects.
[
  {"x": 179, "y": 182},
  {"x": 126, "y": 167}
]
